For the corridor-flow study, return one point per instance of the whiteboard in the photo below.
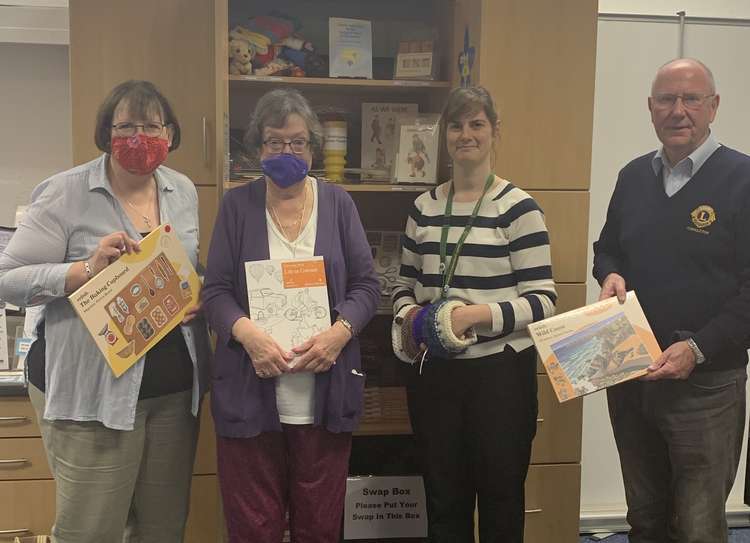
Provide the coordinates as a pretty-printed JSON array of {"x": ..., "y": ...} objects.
[{"x": 629, "y": 50}]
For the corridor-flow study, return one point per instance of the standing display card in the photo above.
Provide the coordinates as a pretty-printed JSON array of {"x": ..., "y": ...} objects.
[
  {"x": 417, "y": 158},
  {"x": 350, "y": 47},
  {"x": 596, "y": 346},
  {"x": 138, "y": 299},
  {"x": 288, "y": 299},
  {"x": 380, "y": 135}
]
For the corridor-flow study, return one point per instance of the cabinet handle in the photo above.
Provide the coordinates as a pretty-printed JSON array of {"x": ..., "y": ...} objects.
[
  {"x": 530, "y": 511},
  {"x": 15, "y": 461},
  {"x": 14, "y": 419},
  {"x": 12, "y": 532},
  {"x": 204, "y": 125},
  {"x": 540, "y": 420}
]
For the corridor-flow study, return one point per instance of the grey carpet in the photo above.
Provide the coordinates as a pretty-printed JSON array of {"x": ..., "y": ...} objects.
[{"x": 737, "y": 535}]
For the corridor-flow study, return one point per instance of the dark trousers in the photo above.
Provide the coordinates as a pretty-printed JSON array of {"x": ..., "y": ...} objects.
[
  {"x": 679, "y": 445},
  {"x": 303, "y": 468},
  {"x": 474, "y": 421}
]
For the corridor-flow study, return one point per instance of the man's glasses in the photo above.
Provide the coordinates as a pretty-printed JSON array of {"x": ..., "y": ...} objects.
[{"x": 689, "y": 101}]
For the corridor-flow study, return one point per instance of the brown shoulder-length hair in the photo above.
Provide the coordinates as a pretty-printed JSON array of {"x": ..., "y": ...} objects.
[
  {"x": 464, "y": 101},
  {"x": 143, "y": 99}
]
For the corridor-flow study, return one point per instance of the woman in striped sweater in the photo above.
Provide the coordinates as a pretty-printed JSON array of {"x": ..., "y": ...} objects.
[{"x": 475, "y": 271}]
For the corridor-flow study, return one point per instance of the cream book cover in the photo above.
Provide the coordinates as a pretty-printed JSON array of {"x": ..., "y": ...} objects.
[
  {"x": 288, "y": 298},
  {"x": 596, "y": 346},
  {"x": 138, "y": 299}
]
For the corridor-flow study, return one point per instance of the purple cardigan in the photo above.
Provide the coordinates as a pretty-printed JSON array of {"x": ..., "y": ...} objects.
[{"x": 242, "y": 404}]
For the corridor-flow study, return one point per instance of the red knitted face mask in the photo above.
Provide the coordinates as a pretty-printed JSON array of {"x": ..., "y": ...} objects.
[{"x": 140, "y": 154}]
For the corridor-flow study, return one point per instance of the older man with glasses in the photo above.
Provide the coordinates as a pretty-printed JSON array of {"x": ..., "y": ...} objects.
[{"x": 678, "y": 233}]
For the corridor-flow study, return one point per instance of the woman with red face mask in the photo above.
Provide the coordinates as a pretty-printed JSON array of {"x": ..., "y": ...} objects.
[{"x": 121, "y": 449}]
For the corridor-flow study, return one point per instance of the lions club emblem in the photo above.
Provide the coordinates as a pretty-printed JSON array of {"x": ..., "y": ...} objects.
[{"x": 703, "y": 216}]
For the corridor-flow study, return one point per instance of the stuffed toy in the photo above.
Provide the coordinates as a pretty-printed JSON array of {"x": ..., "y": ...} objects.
[{"x": 240, "y": 57}]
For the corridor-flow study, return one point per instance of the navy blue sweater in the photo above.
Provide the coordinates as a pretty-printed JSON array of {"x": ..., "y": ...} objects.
[{"x": 687, "y": 257}]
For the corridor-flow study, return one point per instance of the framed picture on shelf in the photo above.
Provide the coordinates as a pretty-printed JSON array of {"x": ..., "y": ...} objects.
[
  {"x": 417, "y": 158},
  {"x": 380, "y": 122},
  {"x": 416, "y": 60}
]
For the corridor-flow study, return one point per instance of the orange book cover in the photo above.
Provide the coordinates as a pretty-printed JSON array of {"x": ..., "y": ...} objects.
[{"x": 596, "y": 346}]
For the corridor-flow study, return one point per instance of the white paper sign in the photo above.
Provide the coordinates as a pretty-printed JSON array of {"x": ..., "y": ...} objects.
[{"x": 384, "y": 507}]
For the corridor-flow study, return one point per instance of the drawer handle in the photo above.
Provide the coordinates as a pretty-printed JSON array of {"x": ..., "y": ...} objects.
[
  {"x": 15, "y": 461},
  {"x": 14, "y": 419},
  {"x": 530, "y": 511},
  {"x": 539, "y": 420},
  {"x": 12, "y": 532}
]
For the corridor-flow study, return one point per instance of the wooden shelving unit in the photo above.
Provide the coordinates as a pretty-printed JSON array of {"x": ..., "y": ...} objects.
[{"x": 325, "y": 82}]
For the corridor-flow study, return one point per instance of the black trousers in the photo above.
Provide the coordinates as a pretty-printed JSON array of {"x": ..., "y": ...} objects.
[{"x": 474, "y": 421}]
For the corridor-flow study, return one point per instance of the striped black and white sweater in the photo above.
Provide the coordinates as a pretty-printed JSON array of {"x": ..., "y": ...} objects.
[{"x": 505, "y": 263}]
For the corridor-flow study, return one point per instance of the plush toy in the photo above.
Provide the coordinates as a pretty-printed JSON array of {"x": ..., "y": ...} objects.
[
  {"x": 277, "y": 66},
  {"x": 240, "y": 57}
]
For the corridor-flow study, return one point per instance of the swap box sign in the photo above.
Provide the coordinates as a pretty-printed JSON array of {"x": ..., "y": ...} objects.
[{"x": 384, "y": 507}]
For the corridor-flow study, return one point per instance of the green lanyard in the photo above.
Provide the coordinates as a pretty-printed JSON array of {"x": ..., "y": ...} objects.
[{"x": 448, "y": 271}]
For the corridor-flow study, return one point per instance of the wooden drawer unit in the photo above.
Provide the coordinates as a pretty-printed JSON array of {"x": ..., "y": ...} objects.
[
  {"x": 17, "y": 418},
  {"x": 205, "y": 453},
  {"x": 28, "y": 508},
  {"x": 23, "y": 458},
  {"x": 558, "y": 429},
  {"x": 552, "y": 503},
  {"x": 204, "y": 523}
]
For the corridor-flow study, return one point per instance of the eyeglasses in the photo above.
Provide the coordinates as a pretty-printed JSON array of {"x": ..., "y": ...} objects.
[
  {"x": 129, "y": 129},
  {"x": 689, "y": 101},
  {"x": 277, "y": 145}
]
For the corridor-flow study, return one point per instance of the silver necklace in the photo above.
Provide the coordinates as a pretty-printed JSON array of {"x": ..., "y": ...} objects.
[{"x": 145, "y": 218}]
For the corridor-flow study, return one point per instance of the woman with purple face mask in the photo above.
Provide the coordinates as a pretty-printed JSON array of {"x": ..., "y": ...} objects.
[
  {"x": 284, "y": 418},
  {"x": 121, "y": 449}
]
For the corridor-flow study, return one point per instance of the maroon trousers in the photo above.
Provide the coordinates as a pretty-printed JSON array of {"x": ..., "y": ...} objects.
[{"x": 303, "y": 468}]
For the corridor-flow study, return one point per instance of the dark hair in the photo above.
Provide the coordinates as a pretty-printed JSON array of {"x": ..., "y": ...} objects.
[
  {"x": 465, "y": 101},
  {"x": 273, "y": 109},
  {"x": 143, "y": 99}
]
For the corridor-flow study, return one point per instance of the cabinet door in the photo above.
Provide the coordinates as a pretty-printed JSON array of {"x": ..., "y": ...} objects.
[{"x": 176, "y": 44}]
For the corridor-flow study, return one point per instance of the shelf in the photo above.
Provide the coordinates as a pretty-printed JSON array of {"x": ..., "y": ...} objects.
[
  {"x": 394, "y": 84},
  {"x": 352, "y": 187}
]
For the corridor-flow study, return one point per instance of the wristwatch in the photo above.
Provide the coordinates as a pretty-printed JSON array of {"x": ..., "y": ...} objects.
[
  {"x": 699, "y": 356},
  {"x": 346, "y": 324}
]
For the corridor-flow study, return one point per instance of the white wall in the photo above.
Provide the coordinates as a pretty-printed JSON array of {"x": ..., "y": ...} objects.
[
  {"x": 729, "y": 9},
  {"x": 35, "y": 139},
  {"x": 628, "y": 54}
]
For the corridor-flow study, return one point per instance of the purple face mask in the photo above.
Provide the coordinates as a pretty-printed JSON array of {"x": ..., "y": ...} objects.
[{"x": 284, "y": 169}]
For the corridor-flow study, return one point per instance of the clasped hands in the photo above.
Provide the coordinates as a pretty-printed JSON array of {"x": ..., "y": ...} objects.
[{"x": 318, "y": 354}]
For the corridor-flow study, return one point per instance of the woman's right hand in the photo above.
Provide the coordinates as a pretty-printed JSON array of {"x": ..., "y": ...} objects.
[
  {"x": 267, "y": 357},
  {"x": 111, "y": 248}
]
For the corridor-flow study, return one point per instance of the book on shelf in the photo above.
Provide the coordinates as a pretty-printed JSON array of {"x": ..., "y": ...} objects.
[
  {"x": 380, "y": 136},
  {"x": 595, "y": 347},
  {"x": 350, "y": 47},
  {"x": 288, "y": 298},
  {"x": 417, "y": 156},
  {"x": 130, "y": 305}
]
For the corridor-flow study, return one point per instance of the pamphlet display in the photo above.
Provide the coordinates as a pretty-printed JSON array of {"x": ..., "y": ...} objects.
[
  {"x": 596, "y": 346},
  {"x": 350, "y": 46},
  {"x": 138, "y": 299}
]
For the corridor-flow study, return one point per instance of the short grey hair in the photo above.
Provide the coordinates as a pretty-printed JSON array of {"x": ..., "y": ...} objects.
[
  {"x": 273, "y": 109},
  {"x": 688, "y": 60}
]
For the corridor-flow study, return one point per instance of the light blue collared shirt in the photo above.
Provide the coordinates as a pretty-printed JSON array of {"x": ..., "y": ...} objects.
[
  {"x": 63, "y": 225},
  {"x": 677, "y": 177}
]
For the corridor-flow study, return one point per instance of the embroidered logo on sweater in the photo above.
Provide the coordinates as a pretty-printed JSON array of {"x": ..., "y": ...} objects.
[{"x": 703, "y": 216}]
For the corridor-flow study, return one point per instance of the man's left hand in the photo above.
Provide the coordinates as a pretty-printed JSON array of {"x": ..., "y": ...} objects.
[{"x": 677, "y": 362}]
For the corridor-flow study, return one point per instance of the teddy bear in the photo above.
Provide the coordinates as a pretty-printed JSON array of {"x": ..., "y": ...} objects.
[{"x": 240, "y": 57}]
